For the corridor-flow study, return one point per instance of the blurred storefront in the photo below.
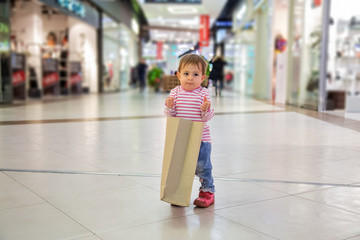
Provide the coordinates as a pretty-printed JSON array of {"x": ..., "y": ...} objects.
[
  {"x": 343, "y": 78},
  {"x": 281, "y": 52},
  {"x": 244, "y": 46},
  {"x": 121, "y": 41},
  {"x": 305, "y": 59},
  {"x": 53, "y": 48},
  {"x": 119, "y": 54},
  {"x": 259, "y": 67},
  {"x": 244, "y": 60},
  {"x": 5, "y": 70}
]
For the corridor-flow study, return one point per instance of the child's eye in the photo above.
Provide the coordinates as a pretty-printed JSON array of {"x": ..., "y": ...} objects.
[
  {"x": 196, "y": 74},
  {"x": 186, "y": 74}
]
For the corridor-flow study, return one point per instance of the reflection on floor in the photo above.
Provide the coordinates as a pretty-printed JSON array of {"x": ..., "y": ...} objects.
[
  {"x": 281, "y": 172},
  {"x": 342, "y": 113}
]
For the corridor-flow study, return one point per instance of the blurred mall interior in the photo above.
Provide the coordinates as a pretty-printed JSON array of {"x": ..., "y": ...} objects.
[
  {"x": 82, "y": 142},
  {"x": 302, "y": 53}
]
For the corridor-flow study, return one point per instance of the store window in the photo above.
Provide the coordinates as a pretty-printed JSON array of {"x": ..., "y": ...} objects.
[
  {"x": 5, "y": 77},
  {"x": 58, "y": 49},
  {"x": 305, "y": 48},
  {"x": 296, "y": 49},
  {"x": 310, "y": 66},
  {"x": 118, "y": 55},
  {"x": 126, "y": 62},
  {"x": 343, "y": 82},
  {"x": 244, "y": 62},
  {"x": 111, "y": 54}
]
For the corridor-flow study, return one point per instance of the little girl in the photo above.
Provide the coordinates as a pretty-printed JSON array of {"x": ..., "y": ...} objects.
[{"x": 191, "y": 101}]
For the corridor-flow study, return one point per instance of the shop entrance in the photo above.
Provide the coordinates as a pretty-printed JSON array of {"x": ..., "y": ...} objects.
[
  {"x": 343, "y": 81},
  {"x": 5, "y": 73},
  {"x": 58, "y": 52}
]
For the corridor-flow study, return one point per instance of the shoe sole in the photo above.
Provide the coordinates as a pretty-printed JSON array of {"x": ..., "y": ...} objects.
[{"x": 202, "y": 204}]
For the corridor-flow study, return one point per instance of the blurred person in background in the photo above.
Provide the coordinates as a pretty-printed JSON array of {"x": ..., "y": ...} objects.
[
  {"x": 134, "y": 77},
  {"x": 141, "y": 71},
  {"x": 217, "y": 73}
]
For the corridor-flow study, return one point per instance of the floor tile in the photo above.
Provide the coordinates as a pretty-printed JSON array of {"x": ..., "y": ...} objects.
[
  {"x": 38, "y": 222},
  {"x": 88, "y": 238},
  {"x": 124, "y": 133},
  {"x": 340, "y": 197},
  {"x": 295, "y": 177},
  {"x": 15, "y": 195},
  {"x": 354, "y": 238},
  {"x": 295, "y": 218},
  {"x": 343, "y": 169},
  {"x": 58, "y": 187},
  {"x": 43, "y": 159},
  {"x": 233, "y": 193},
  {"x": 198, "y": 226},
  {"x": 107, "y": 211}
]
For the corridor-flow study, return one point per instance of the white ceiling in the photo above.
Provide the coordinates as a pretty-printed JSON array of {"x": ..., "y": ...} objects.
[{"x": 179, "y": 22}]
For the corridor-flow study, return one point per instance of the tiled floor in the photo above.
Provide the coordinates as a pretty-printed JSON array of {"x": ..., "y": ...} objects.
[{"x": 281, "y": 172}]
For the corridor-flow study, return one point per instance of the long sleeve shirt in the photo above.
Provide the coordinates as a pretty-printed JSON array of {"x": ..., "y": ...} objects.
[{"x": 187, "y": 105}]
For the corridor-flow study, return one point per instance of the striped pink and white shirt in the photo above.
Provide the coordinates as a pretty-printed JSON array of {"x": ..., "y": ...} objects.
[{"x": 187, "y": 106}]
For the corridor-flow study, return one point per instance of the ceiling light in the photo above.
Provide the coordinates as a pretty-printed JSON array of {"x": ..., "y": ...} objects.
[
  {"x": 182, "y": 10},
  {"x": 240, "y": 14},
  {"x": 189, "y": 22}
]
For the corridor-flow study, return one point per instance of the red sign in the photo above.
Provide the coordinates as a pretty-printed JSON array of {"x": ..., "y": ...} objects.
[
  {"x": 50, "y": 79},
  {"x": 204, "y": 30},
  {"x": 75, "y": 79},
  {"x": 18, "y": 77},
  {"x": 159, "y": 50},
  {"x": 316, "y": 3}
]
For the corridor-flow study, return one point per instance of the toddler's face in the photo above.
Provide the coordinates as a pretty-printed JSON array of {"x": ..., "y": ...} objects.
[{"x": 190, "y": 77}]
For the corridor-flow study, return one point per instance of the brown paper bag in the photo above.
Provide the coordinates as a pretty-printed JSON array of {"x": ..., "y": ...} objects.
[{"x": 182, "y": 146}]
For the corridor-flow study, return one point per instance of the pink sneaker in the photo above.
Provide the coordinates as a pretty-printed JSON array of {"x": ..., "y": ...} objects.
[{"x": 205, "y": 199}]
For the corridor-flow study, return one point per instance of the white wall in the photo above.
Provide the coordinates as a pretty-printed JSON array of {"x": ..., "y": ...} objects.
[{"x": 280, "y": 18}]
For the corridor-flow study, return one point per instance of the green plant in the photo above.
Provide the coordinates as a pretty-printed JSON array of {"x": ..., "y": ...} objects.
[{"x": 154, "y": 76}]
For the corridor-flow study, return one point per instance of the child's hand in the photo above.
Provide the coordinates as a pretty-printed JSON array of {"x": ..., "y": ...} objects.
[
  {"x": 170, "y": 102},
  {"x": 205, "y": 105}
]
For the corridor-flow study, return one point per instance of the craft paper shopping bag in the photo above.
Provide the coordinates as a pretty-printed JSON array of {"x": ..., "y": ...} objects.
[{"x": 182, "y": 145}]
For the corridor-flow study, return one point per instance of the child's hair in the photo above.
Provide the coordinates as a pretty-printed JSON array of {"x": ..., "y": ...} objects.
[{"x": 193, "y": 59}]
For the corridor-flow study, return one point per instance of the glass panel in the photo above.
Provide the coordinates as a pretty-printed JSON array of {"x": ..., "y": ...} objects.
[
  {"x": 5, "y": 77},
  {"x": 296, "y": 50},
  {"x": 244, "y": 63},
  {"x": 344, "y": 54},
  {"x": 111, "y": 54},
  {"x": 124, "y": 52},
  {"x": 310, "y": 66}
]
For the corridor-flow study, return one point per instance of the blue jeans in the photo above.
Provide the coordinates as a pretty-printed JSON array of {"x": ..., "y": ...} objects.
[{"x": 204, "y": 167}]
